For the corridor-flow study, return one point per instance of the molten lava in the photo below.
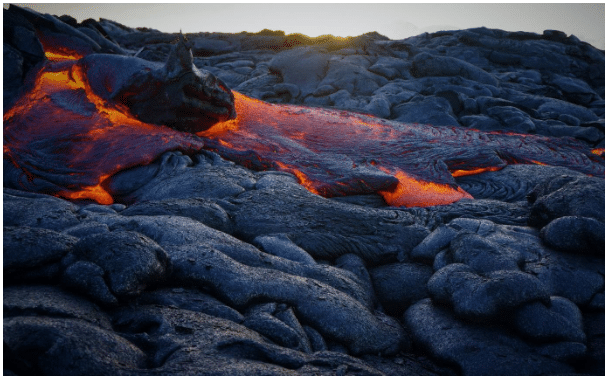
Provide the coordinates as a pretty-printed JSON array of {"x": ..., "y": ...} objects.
[
  {"x": 62, "y": 132},
  {"x": 69, "y": 141},
  {"x": 336, "y": 153}
]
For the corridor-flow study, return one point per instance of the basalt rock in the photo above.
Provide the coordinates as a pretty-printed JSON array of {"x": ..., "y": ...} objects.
[
  {"x": 474, "y": 349},
  {"x": 49, "y": 345},
  {"x": 29, "y": 252},
  {"x": 268, "y": 277},
  {"x": 178, "y": 94},
  {"x": 129, "y": 262},
  {"x": 567, "y": 196}
]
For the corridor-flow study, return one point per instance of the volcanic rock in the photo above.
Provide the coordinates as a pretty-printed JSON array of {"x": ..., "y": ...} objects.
[
  {"x": 44, "y": 300},
  {"x": 32, "y": 210},
  {"x": 400, "y": 285},
  {"x": 475, "y": 349},
  {"x": 575, "y": 277},
  {"x": 207, "y": 266},
  {"x": 129, "y": 261},
  {"x": 575, "y": 234},
  {"x": 197, "y": 99},
  {"x": 325, "y": 308},
  {"x": 567, "y": 196},
  {"x": 47, "y": 345},
  {"x": 425, "y": 64},
  {"x": 561, "y": 320},
  {"x": 33, "y": 253},
  {"x": 484, "y": 297}
]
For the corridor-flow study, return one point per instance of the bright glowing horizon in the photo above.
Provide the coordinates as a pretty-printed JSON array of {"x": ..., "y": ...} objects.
[{"x": 394, "y": 20}]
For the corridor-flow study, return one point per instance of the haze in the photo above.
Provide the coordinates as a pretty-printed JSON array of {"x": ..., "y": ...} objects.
[{"x": 396, "y": 21}]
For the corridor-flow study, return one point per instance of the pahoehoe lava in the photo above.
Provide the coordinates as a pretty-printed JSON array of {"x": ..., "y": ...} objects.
[
  {"x": 85, "y": 120},
  {"x": 315, "y": 220}
]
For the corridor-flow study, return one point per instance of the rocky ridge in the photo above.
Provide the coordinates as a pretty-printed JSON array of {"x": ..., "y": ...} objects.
[{"x": 211, "y": 268}]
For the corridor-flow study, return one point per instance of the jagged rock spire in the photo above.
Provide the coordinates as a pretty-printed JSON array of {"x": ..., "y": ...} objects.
[{"x": 180, "y": 59}]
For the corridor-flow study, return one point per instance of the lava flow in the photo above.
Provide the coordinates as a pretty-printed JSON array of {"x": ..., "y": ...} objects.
[
  {"x": 68, "y": 141},
  {"x": 335, "y": 153}
]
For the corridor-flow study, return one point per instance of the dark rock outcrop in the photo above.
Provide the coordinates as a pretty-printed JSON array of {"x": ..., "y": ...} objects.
[{"x": 209, "y": 267}]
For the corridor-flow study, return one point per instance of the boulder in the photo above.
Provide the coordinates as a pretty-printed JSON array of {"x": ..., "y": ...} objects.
[
  {"x": 33, "y": 253},
  {"x": 575, "y": 234},
  {"x": 400, "y": 285},
  {"x": 475, "y": 349},
  {"x": 130, "y": 261},
  {"x": 425, "y": 64},
  {"x": 485, "y": 297}
]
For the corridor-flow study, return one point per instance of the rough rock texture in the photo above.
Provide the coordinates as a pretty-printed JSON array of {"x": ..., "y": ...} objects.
[{"x": 208, "y": 267}]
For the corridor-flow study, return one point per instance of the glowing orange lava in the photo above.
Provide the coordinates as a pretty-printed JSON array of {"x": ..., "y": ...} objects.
[
  {"x": 412, "y": 192},
  {"x": 462, "y": 173},
  {"x": 335, "y": 152},
  {"x": 65, "y": 135},
  {"x": 55, "y": 49}
]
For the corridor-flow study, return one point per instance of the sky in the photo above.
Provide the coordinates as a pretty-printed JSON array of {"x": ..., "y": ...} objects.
[{"x": 394, "y": 20}]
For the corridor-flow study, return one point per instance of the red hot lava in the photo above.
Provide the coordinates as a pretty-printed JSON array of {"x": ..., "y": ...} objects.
[
  {"x": 339, "y": 153},
  {"x": 64, "y": 135}
]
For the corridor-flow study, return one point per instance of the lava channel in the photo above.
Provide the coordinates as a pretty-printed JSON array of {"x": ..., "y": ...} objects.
[
  {"x": 68, "y": 141},
  {"x": 335, "y": 153}
]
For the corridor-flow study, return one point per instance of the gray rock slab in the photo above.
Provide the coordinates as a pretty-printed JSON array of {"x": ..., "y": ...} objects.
[
  {"x": 484, "y": 297},
  {"x": 328, "y": 310},
  {"x": 54, "y": 346},
  {"x": 474, "y": 349},
  {"x": 399, "y": 285},
  {"x": 28, "y": 249},
  {"x": 39, "y": 211}
]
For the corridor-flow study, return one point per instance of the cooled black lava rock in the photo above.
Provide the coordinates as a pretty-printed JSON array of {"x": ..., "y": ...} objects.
[
  {"x": 177, "y": 95},
  {"x": 475, "y": 349},
  {"x": 567, "y": 196},
  {"x": 31, "y": 254},
  {"x": 575, "y": 234},
  {"x": 506, "y": 298},
  {"x": 127, "y": 261}
]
